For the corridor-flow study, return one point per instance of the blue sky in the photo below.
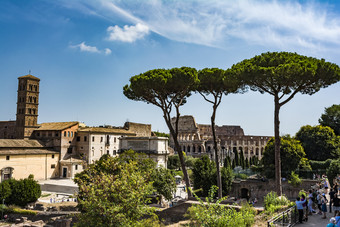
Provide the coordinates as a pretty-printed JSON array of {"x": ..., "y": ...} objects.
[{"x": 85, "y": 51}]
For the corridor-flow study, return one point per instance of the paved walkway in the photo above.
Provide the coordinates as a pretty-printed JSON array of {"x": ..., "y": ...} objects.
[{"x": 316, "y": 220}]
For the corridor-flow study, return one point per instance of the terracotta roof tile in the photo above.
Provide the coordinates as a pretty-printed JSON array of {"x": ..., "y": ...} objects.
[
  {"x": 29, "y": 77},
  {"x": 20, "y": 143},
  {"x": 58, "y": 126},
  {"x": 120, "y": 131}
]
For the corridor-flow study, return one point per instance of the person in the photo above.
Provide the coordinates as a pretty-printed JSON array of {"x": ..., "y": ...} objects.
[
  {"x": 331, "y": 196},
  {"x": 299, "y": 205},
  {"x": 332, "y": 223},
  {"x": 305, "y": 215},
  {"x": 337, "y": 218},
  {"x": 336, "y": 203},
  {"x": 310, "y": 202},
  {"x": 324, "y": 206},
  {"x": 318, "y": 198}
]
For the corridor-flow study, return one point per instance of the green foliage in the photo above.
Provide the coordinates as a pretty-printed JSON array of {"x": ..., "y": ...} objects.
[
  {"x": 333, "y": 170},
  {"x": 5, "y": 190},
  {"x": 22, "y": 191},
  {"x": 227, "y": 162},
  {"x": 17, "y": 210},
  {"x": 162, "y": 134},
  {"x": 331, "y": 118},
  {"x": 291, "y": 155},
  {"x": 320, "y": 165},
  {"x": 241, "y": 176},
  {"x": 247, "y": 165},
  {"x": 272, "y": 202},
  {"x": 190, "y": 161},
  {"x": 173, "y": 162},
  {"x": 114, "y": 191},
  {"x": 204, "y": 176},
  {"x": 319, "y": 142},
  {"x": 242, "y": 161},
  {"x": 164, "y": 182},
  {"x": 210, "y": 214},
  {"x": 294, "y": 179}
]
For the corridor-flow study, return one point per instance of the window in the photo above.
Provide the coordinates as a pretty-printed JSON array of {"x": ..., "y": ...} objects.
[
  {"x": 7, "y": 157},
  {"x": 50, "y": 134},
  {"x": 81, "y": 148},
  {"x": 78, "y": 138},
  {"x": 71, "y": 134},
  {"x": 115, "y": 139},
  {"x": 101, "y": 139},
  {"x": 85, "y": 138},
  {"x": 107, "y": 152},
  {"x": 68, "y": 134},
  {"x": 69, "y": 150},
  {"x": 52, "y": 155},
  {"x": 65, "y": 134},
  {"x": 76, "y": 167},
  {"x": 114, "y": 152},
  {"x": 92, "y": 138},
  {"x": 56, "y": 134},
  {"x": 52, "y": 166}
]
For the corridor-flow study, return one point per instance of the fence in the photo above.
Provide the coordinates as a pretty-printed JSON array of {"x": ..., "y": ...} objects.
[{"x": 284, "y": 219}]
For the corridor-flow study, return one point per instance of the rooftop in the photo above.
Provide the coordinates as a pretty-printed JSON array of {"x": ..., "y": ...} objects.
[
  {"x": 120, "y": 131},
  {"x": 56, "y": 126},
  {"x": 20, "y": 143},
  {"x": 29, "y": 76}
]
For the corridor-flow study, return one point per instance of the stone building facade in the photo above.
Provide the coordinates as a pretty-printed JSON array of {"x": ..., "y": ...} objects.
[
  {"x": 196, "y": 139},
  {"x": 62, "y": 149}
]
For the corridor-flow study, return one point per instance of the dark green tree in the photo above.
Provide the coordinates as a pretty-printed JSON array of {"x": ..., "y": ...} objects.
[
  {"x": 233, "y": 164},
  {"x": 291, "y": 155},
  {"x": 173, "y": 162},
  {"x": 247, "y": 165},
  {"x": 204, "y": 175},
  {"x": 227, "y": 162},
  {"x": 319, "y": 142},
  {"x": 5, "y": 190},
  {"x": 168, "y": 90},
  {"x": 242, "y": 161},
  {"x": 333, "y": 170},
  {"x": 164, "y": 182},
  {"x": 213, "y": 84},
  {"x": 283, "y": 75},
  {"x": 331, "y": 118}
]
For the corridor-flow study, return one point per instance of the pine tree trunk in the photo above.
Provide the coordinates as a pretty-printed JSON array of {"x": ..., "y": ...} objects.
[{"x": 277, "y": 147}]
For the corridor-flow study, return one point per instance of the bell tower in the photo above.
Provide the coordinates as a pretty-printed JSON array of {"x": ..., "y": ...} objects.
[{"x": 27, "y": 106}]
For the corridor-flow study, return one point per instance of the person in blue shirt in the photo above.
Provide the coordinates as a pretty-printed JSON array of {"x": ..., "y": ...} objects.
[
  {"x": 332, "y": 223},
  {"x": 299, "y": 205}
]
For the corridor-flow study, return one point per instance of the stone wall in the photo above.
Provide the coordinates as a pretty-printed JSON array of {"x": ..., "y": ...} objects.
[
  {"x": 139, "y": 129},
  {"x": 254, "y": 188},
  {"x": 7, "y": 129}
]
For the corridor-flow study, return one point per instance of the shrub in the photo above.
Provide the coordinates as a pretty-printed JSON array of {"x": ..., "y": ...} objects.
[
  {"x": 320, "y": 165},
  {"x": 23, "y": 191},
  {"x": 213, "y": 214},
  {"x": 241, "y": 176},
  {"x": 272, "y": 202},
  {"x": 294, "y": 179},
  {"x": 333, "y": 170},
  {"x": 5, "y": 190}
]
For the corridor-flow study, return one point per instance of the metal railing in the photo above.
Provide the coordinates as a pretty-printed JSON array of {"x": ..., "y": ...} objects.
[{"x": 286, "y": 218}]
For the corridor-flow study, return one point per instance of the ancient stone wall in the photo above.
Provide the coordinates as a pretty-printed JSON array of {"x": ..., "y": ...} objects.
[
  {"x": 140, "y": 129},
  {"x": 7, "y": 129}
]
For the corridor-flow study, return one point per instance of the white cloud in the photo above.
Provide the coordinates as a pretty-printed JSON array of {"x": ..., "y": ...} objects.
[
  {"x": 107, "y": 51},
  {"x": 127, "y": 33},
  {"x": 279, "y": 24},
  {"x": 86, "y": 48}
]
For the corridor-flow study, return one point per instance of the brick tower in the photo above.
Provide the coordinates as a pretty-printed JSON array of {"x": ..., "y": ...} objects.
[{"x": 27, "y": 106}]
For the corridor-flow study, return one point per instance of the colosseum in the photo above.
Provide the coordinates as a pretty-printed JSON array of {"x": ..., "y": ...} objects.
[{"x": 196, "y": 139}]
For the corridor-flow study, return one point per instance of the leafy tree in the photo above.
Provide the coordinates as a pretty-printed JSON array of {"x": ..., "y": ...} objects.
[
  {"x": 5, "y": 190},
  {"x": 190, "y": 161},
  {"x": 247, "y": 163},
  {"x": 204, "y": 175},
  {"x": 114, "y": 191},
  {"x": 333, "y": 170},
  {"x": 242, "y": 161},
  {"x": 23, "y": 191},
  {"x": 331, "y": 118},
  {"x": 291, "y": 155},
  {"x": 164, "y": 182},
  {"x": 233, "y": 164},
  {"x": 319, "y": 142},
  {"x": 227, "y": 162},
  {"x": 237, "y": 159},
  {"x": 215, "y": 83},
  {"x": 168, "y": 90},
  {"x": 283, "y": 75},
  {"x": 173, "y": 162}
]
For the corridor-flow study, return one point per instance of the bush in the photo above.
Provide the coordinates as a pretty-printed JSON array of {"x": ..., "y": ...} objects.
[
  {"x": 5, "y": 190},
  {"x": 207, "y": 213},
  {"x": 23, "y": 191},
  {"x": 320, "y": 165},
  {"x": 241, "y": 176},
  {"x": 333, "y": 170},
  {"x": 272, "y": 202}
]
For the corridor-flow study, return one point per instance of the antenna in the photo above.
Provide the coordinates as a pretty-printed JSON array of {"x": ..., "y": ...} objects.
[{"x": 29, "y": 72}]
